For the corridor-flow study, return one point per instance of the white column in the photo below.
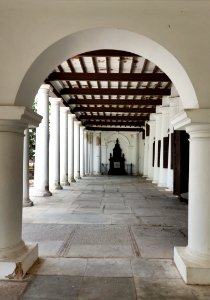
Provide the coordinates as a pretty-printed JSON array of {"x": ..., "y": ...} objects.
[
  {"x": 91, "y": 152},
  {"x": 97, "y": 153},
  {"x": 158, "y": 121},
  {"x": 86, "y": 152},
  {"x": 55, "y": 144},
  {"x": 26, "y": 199},
  {"x": 77, "y": 149},
  {"x": 71, "y": 148},
  {"x": 41, "y": 169},
  {"x": 82, "y": 173},
  {"x": 141, "y": 154},
  {"x": 150, "y": 151},
  {"x": 146, "y": 146},
  {"x": 162, "y": 180},
  {"x": 15, "y": 257},
  {"x": 64, "y": 145},
  {"x": 193, "y": 261},
  {"x": 136, "y": 153},
  {"x": 173, "y": 110}
]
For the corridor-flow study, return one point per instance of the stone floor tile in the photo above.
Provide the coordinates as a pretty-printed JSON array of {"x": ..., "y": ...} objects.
[
  {"x": 46, "y": 232},
  {"x": 53, "y": 287},
  {"x": 113, "y": 208},
  {"x": 100, "y": 251},
  {"x": 59, "y": 266},
  {"x": 49, "y": 248},
  {"x": 165, "y": 221},
  {"x": 154, "y": 268},
  {"x": 83, "y": 218},
  {"x": 107, "y": 289},
  {"x": 11, "y": 290},
  {"x": 108, "y": 268},
  {"x": 129, "y": 219},
  {"x": 162, "y": 289}
]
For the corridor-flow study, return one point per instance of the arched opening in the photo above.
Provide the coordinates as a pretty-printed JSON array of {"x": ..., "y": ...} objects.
[{"x": 94, "y": 39}]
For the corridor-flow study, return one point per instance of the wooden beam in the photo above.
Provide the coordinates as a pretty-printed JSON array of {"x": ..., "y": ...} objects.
[
  {"x": 114, "y": 102},
  {"x": 121, "y": 118},
  {"x": 114, "y": 128},
  {"x": 106, "y": 123},
  {"x": 106, "y": 53},
  {"x": 119, "y": 92},
  {"x": 156, "y": 77},
  {"x": 114, "y": 109}
]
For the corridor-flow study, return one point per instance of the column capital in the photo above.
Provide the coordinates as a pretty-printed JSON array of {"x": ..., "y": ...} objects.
[
  {"x": 82, "y": 127},
  {"x": 199, "y": 131},
  {"x": 71, "y": 116},
  {"x": 55, "y": 100},
  {"x": 77, "y": 122},
  {"x": 44, "y": 88},
  {"x": 64, "y": 109},
  {"x": 19, "y": 114}
]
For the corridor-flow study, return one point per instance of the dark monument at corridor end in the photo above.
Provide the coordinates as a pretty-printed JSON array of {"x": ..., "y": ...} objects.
[{"x": 117, "y": 161}]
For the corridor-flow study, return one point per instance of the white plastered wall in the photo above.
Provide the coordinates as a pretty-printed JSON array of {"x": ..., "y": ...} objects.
[
  {"x": 45, "y": 33},
  {"x": 127, "y": 143}
]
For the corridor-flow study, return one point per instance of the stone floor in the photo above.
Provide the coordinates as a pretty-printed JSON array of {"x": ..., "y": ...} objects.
[{"x": 105, "y": 238}]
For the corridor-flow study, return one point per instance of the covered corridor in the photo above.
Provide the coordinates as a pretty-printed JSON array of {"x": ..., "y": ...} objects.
[{"x": 105, "y": 237}]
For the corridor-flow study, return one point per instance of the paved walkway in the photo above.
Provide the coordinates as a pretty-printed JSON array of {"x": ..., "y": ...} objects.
[{"x": 105, "y": 238}]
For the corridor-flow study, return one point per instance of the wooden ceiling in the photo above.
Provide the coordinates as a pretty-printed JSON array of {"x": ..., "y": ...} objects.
[{"x": 110, "y": 89}]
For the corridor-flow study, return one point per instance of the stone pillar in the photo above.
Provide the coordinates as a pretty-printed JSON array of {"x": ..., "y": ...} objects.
[
  {"x": 150, "y": 151},
  {"x": 85, "y": 152},
  {"x": 64, "y": 145},
  {"x": 97, "y": 153},
  {"x": 136, "y": 153},
  {"x": 162, "y": 181},
  {"x": 141, "y": 154},
  {"x": 26, "y": 199},
  {"x": 91, "y": 152},
  {"x": 82, "y": 154},
  {"x": 55, "y": 144},
  {"x": 158, "y": 121},
  {"x": 146, "y": 148},
  {"x": 41, "y": 169},
  {"x": 15, "y": 257},
  {"x": 71, "y": 148},
  {"x": 173, "y": 110},
  {"x": 77, "y": 149},
  {"x": 193, "y": 261}
]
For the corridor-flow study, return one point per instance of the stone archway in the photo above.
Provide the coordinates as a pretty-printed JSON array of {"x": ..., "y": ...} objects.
[{"x": 105, "y": 38}]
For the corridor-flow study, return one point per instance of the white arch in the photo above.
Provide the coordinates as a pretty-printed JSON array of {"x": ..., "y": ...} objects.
[
  {"x": 105, "y": 38},
  {"x": 110, "y": 138}
]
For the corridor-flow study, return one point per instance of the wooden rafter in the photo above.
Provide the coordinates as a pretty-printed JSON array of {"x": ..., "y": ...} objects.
[
  {"x": 119, "y": 92},
  {"x": 114, "y": 102},
  {"x": 156, "y": 77},
  {"x": 114, "y": 109}
]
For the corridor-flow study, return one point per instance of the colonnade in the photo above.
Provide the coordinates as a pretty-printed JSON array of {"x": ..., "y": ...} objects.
[
  {"x": 71, "y": 141},
  {"x": 153, "y": 164},
  {"x": 64, "y": 153}
]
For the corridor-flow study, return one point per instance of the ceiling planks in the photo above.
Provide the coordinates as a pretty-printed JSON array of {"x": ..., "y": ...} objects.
[{"x": 107, "y": 89}]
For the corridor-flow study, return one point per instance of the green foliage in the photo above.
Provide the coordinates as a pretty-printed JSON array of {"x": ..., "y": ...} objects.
[{"x": 32, "y": 138}]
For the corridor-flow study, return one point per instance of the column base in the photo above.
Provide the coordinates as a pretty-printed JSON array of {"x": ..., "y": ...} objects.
[
  {"x": 17, "y": 267},
  {"x": 66, "y": 183},
  {"x": 27, "y": 203},
  {"x": 73, "y": 180},
  {"x": 149, "y": 179},
  {"x": 193, "y": 270},
  {"x": 39, "y": 193},
  {"x": 58, "y": 187}
]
